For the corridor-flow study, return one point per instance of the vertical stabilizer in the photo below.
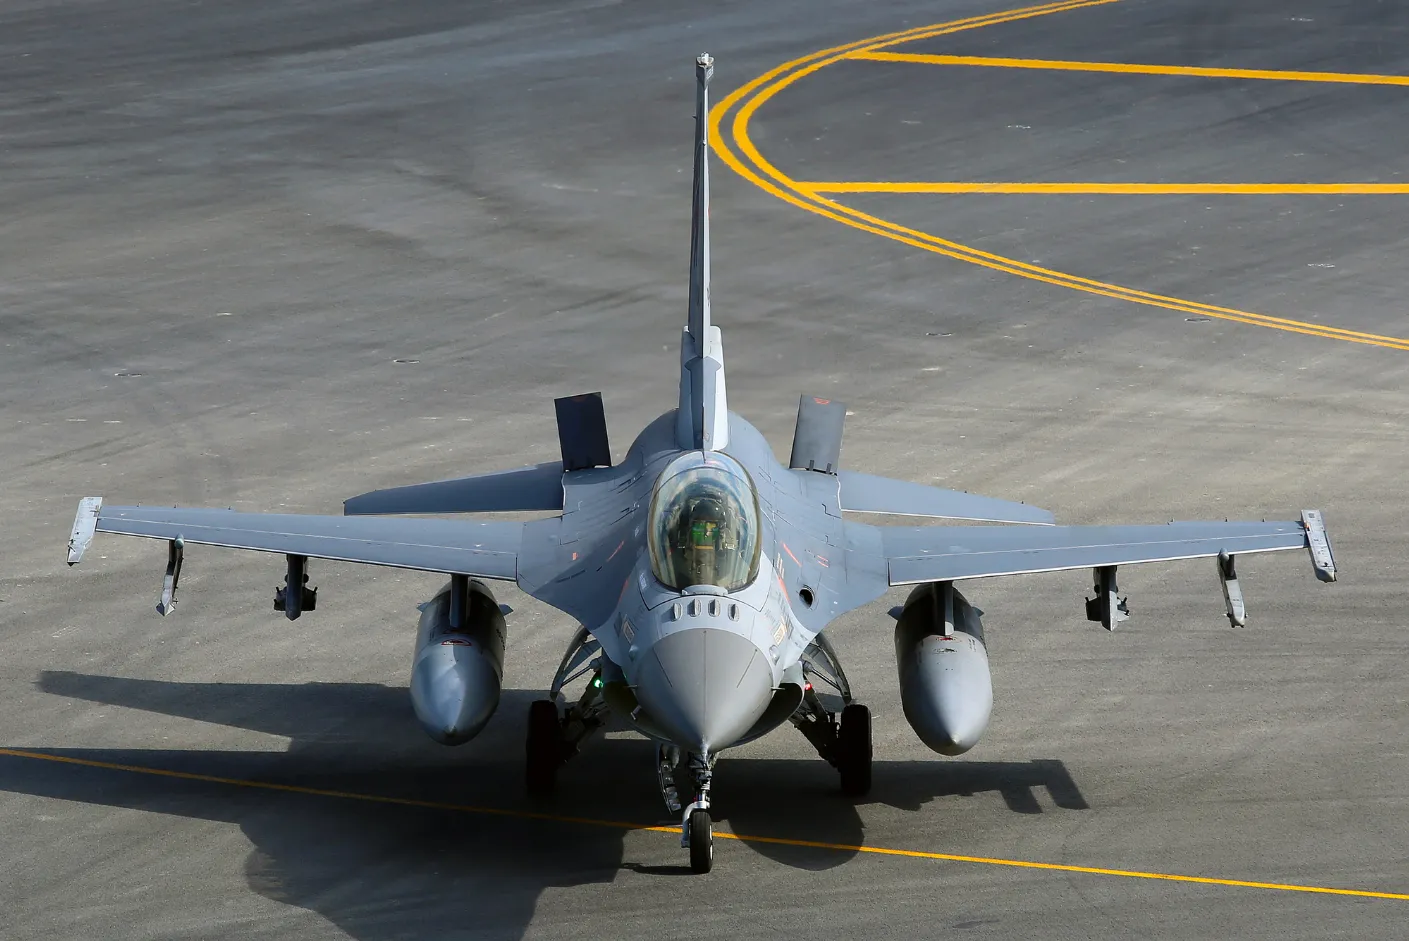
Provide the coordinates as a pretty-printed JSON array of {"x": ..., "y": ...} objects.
[{"x": 703, "y": 420}]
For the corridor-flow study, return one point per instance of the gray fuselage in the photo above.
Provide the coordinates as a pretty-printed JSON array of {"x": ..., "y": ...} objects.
[{"x": 697, "y": 666}]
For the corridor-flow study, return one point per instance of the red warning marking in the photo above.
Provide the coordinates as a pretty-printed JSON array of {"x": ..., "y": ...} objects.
[{"x": 822, "y": 401}]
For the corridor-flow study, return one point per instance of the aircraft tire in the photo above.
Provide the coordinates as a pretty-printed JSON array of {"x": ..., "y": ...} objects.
[
  {"x": 701, "y": 842},
  {"x": 854, "y": 750},
  {"x": 544, "y": 748}
]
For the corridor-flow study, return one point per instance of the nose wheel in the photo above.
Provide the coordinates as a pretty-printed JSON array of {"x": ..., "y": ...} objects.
[
  {"x": 696, "y": 826},
  {"x": 701, "y": 835}
]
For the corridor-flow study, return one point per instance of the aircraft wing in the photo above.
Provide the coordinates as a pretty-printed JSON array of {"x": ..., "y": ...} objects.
[
  {"x": 944, "y": 553},
  {"x": 482, "y": 549},
  {"x": 866, "y": 493},
  {"x": 539, "y": 487}
]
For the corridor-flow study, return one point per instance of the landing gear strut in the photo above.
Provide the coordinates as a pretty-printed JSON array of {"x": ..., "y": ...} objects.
[
  {"x": 554, "y": 738},
  {"x": 696, "y": 827},
  {"x": 843, "y": 739}
]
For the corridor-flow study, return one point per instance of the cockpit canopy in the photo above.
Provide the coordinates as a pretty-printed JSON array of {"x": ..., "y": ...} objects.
[{"x": 704, "y": 523}]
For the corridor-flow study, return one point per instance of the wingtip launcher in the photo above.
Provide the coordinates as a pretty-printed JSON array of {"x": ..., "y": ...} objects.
[
  {"x": 1318, "y": 543},
  {"x": 85, "y": 524},
  {"x": 1323, "y": 562}
]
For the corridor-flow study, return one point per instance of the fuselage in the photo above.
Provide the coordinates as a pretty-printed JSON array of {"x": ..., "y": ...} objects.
[{"x": 702, "y": 635}]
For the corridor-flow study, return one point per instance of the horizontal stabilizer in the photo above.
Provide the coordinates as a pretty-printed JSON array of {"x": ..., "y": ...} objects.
[
  {"x": 865, "y": 493},
  {"x": 539, "y": 487}
]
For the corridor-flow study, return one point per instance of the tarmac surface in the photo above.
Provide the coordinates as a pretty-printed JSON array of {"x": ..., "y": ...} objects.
[{"x": 272, "y": 254}]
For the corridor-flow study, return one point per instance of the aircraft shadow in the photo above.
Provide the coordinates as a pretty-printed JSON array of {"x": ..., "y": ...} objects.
[{"x": 376, "y": 870}]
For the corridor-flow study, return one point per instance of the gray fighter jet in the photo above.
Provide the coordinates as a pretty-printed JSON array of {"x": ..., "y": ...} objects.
[{"x": 701, "y": 572}]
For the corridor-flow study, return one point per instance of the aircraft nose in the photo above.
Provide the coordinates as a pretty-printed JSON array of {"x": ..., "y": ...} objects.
[{"x": 705, "y": 686}]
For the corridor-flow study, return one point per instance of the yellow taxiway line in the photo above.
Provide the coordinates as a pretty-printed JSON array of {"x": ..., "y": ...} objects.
[
  {"x": 1135, "y": 68},
  {"x": 674, "y": 830},
  {"x": 749, "y": 163},
  {"x": 1123, "y": 189}
]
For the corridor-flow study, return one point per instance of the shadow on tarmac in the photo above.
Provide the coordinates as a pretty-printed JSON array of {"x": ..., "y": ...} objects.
[{"x": 375, "y": 870}]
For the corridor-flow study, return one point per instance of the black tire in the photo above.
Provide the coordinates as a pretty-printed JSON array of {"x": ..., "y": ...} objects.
[
  {"x": 544, "y": 748},
  {"x": 854, "y": 750},
  {"x": 701, "y": 842}
]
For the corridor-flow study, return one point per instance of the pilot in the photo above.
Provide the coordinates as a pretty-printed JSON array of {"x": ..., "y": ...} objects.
[
  {"x": 700, "y": 537},
  {"x": 705, "y": 536}
]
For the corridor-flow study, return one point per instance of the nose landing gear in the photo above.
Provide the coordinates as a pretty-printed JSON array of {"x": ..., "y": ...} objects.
[{"x": 696, "y": 826}]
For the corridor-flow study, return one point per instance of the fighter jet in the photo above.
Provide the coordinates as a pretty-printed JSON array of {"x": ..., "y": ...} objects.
[{"x": 701, "y": 572}]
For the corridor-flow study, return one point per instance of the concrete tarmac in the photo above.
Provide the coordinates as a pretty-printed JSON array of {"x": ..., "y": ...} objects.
[{"x": 269, "y": 255}]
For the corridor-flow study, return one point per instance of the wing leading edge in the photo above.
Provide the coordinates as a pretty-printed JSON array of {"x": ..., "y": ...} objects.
[
  {"x": 481, "y": 549},
  {"x": 866, "y": 493},
  {"x": 946, "y": 553},
  {"x": 539, "y": 487}
]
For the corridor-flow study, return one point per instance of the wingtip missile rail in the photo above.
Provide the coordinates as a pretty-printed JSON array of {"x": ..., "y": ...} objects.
[
  {"x": 85, "y": 524},
  {"x": 1318, "y": 543}
]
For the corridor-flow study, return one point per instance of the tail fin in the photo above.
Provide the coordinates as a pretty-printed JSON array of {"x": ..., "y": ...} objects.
[
  {"x": 703, "y": 419},
  {"x": 698, "y": 323}
]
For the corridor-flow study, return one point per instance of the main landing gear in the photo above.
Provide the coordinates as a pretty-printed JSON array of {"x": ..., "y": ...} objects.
[
  {"x": 546, "y": 748},
  {"x": 853, "y": 749},
  {"x": 842, "y": 738},
  {"x": 553, "y": 738}
]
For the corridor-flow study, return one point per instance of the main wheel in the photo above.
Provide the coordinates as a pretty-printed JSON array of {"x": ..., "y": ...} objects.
[
  {"x": 854, "y": 750},
  {"x": 701, "y": 842},
  {"x": 544, "y": 748}
]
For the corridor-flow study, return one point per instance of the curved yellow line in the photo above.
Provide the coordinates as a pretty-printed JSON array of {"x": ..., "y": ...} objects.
[{"x": 759, "y": 171}]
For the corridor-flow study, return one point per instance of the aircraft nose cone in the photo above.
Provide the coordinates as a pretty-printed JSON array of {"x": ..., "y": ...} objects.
[
  {"x": 453, "y": 691},
  {"x": 705, "y": 686}
]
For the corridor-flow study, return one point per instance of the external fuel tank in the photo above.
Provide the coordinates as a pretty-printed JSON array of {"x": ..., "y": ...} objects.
[
  {"x": 456, "y": 673},
  {"x": 945, "y": 687}
]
